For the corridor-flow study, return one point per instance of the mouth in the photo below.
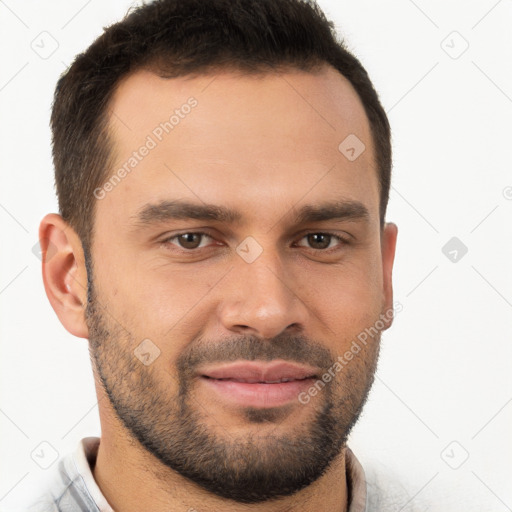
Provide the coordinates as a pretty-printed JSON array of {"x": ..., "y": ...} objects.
[
  {"x": 257, "y": 381},
  {"x": 258, "y": 384}
]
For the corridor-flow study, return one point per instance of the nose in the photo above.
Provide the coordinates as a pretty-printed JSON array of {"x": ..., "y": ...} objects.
[{"x": 262, "y": 299}]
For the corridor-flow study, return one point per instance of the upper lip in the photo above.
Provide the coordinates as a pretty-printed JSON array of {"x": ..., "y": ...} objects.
[{"x": 253, "y": 371}]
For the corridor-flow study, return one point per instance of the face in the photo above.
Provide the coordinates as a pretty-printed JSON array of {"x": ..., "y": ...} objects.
[{"x": 235, "y": 261}]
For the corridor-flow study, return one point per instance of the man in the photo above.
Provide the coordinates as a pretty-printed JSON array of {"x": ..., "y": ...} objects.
[{"x": 223, "y": 171}]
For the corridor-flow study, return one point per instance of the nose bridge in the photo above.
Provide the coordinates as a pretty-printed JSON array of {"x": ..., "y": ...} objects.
[{"x": 262, "y": 297}]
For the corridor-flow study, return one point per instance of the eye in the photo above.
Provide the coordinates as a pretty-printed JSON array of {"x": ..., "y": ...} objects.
[
  {"x": 189, "y": 240},
  {"x": 323, "y": 241}
]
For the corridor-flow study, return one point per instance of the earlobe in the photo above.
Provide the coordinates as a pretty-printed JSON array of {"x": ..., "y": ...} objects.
[
  {"x": 388, "y": 245},
  {"x": 64, "y": 273}
]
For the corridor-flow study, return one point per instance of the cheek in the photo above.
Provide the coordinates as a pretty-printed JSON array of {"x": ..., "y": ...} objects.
[
  {"x": 351, "y": 297},
  {"x": 160, "y": 303}
]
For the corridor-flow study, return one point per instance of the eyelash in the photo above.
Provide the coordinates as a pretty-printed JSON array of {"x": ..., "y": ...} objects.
[{"x": 167, "y": 241}]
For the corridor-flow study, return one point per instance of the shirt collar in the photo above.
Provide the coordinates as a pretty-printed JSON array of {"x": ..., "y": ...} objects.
[
  {"x": 87, "y": 451},
  {"x": 85, "y": 460},
  {"x": 356, "y": 483}
]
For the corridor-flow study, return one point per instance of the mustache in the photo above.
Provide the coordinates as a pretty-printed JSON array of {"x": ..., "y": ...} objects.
[{"x": 292, "y": 348}]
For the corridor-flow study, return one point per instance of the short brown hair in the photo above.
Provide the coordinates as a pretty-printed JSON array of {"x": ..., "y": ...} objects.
[{"x": 183, "y": 37}]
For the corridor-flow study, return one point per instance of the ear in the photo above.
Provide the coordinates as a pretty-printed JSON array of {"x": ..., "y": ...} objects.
[
  {"x": 64, "y": 273},
  {"x": 388, "y": 245}
]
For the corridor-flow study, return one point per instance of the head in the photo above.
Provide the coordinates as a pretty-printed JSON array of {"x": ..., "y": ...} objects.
[{"x": 223, "y": 175}]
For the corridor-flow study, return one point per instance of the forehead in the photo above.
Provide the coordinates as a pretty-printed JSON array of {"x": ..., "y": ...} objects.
[{"x": 254, "y": 141}]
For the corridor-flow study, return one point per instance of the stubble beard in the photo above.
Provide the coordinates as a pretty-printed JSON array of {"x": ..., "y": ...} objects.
[{"x": 252, "y": 468}]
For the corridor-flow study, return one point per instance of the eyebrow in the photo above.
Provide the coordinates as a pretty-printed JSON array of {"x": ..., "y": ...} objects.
[{"x": 180, "y": 209}]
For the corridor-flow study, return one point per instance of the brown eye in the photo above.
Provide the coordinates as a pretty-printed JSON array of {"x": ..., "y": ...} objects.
[
  {"x": 189, "y": 240},
  {"x": 323, "y": 241},
  {"x": 319, "y": 240}
]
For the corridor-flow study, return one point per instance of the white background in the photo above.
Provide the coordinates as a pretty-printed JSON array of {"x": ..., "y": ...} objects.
[{"x": 445, "y": 368}]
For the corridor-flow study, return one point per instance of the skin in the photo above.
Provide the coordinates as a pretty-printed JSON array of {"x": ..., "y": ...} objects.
[{"x": 263, "y": 145}]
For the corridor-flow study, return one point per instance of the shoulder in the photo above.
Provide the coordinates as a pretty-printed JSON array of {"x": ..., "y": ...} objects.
[
  {"x": 59, "y": 485},
  {"x": 67, "y": 489}
]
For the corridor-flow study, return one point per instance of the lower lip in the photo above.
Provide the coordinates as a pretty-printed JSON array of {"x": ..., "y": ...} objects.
[{"x": 258, "y": 394}]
